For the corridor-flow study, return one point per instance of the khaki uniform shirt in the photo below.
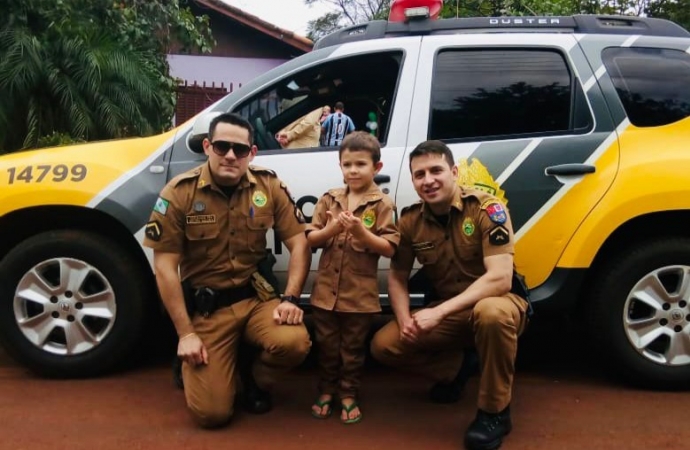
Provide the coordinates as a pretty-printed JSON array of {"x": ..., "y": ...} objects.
[
  {"x": 221, "y": 240},
  {"x": 347, "y": 280},
  {"x": 304, "y": 132},
  {"x": 452, "y": 255}
]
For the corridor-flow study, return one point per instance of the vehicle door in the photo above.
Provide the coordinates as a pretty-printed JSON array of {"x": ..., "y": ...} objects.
[
  {"x": 525, "y": 118},
  {"x": 369, "y": 77}
]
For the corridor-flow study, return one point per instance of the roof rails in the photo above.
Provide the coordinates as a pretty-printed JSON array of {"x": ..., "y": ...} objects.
[{"x": 591, "y": 24}]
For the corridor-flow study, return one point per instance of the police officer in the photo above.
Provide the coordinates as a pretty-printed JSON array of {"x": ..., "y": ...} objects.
[
  {"x": 211, "y": 224},
  {"x": 463, "y": 239}
]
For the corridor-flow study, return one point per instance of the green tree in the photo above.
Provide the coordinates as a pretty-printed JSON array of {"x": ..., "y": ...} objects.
[
  {"x": 345, "y": 13},
  {"x": 350, "y": 12},
  {"x": 89, "y": 69},
  {"x": 676, "y": 10}
]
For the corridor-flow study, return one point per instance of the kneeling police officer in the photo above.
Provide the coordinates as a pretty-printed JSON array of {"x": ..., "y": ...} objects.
[{"x": 208, "y": 229}]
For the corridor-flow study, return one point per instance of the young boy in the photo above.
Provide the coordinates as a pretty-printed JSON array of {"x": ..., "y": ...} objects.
[{"x": 355, "y": 225}]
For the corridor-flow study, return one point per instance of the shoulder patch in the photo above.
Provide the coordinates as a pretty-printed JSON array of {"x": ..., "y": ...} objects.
[
  {"x": 496, "y": 212},
  {"x": 499, "y": 236},
  {"x": 153, "y": 230},
  {"x": 259, "y": 169}
]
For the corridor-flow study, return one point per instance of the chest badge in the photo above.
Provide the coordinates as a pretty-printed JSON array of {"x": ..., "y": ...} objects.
[
  {"x": 259, "y": 199},
  {"x": 369, "y": 218},
  {"x": 468, "y": 227},
  {"x": 199, "y": 206}
]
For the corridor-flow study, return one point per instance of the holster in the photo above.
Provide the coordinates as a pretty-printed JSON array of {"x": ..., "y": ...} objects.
[
  {"x": 206, "y": 301},
  {"x": 519, "y": 287},
  {"x": 264, "y": 280}
]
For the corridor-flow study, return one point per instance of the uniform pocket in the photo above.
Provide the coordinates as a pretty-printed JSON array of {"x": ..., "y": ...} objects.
[
  {"x": 201, "y": 239},
  {"x": 363, "y": 261},
  {"x": 257, "y": 227}
]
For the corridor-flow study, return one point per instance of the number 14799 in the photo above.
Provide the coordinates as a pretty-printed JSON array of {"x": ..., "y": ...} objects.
[{"x": 57, "y": 173}]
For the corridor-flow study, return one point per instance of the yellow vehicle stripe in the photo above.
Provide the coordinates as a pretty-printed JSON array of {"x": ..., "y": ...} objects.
[
  {"x": 653, "y": 176},
  {"x": 540, "y": 242},
  {"x": 36, "y": 178}
]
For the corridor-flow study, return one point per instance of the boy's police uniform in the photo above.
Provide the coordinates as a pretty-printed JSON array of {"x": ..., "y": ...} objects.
[
  {"x": 452, "y": 258},
  {"x": 345, "y": 293},
  {"x": 221, "y": 241}
]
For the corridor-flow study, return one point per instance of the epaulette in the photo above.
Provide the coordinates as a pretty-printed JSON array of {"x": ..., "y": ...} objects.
[
  {"x": 188, "y": 175},
  {"x": 411, "y": 207},
  {"x": 259, "y": 169},
  {"x": 483, "y": 198}
]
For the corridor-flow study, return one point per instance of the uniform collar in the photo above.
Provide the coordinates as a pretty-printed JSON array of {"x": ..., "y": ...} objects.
[
  {"x": 373, "y": 194},
  {"x": 456, "y": 204},
  {"x": 206, "y": 179}
]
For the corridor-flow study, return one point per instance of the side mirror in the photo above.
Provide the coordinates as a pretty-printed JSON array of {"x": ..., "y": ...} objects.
[{"x": 199, "y": 132}]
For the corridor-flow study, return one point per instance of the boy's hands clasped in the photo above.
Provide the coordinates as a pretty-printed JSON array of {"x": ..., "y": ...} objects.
[{"x": 352, "y": 223}]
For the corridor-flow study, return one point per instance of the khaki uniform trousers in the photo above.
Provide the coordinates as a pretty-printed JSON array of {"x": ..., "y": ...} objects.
[
  {"x": 210, "y": 389},
  {"x": 492, "y": 326},
  {"x": 341, "y": 339}
]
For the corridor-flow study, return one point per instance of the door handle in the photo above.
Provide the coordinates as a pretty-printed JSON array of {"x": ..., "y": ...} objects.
[
  {"x": 569, "y": 169},
  {"x": 378, "y": 179}
]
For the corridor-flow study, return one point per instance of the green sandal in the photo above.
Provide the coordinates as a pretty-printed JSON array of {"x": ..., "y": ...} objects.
[
  {"x": 321, "y": 404},
  {"x": 347, "y": 410}
]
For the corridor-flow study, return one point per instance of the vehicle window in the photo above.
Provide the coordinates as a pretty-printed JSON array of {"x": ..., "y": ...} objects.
[
  {"x": 653, "y": 84},
  {"x": 365, "y": 84},
  {"x": 503, "y": 92}
]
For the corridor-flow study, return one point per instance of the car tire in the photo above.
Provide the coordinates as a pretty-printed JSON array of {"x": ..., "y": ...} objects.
[
  {"x": 639, "y": 314},
  {"x": 72, "y": 304}
]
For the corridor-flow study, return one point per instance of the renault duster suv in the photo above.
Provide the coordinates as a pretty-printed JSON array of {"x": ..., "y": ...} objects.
[{"x": 581, "y": 124}]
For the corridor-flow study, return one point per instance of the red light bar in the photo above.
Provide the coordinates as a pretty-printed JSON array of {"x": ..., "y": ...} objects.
[{"x": 404, "y": 10}]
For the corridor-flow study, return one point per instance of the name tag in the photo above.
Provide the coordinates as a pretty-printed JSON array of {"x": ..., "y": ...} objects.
[
  {"x": 422, "y": 246},
  {"x": 202, "y": 219}
]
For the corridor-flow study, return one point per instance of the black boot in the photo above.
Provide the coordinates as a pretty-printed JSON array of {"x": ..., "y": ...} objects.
[
  {"x": 487, "y": 430},
  {"x": 177, "y": 373},
  {"x": 254, "y": 399},
  {"x": 450, "y": 392}
]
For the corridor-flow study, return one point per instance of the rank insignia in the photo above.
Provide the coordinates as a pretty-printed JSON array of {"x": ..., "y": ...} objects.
[
  {"x": 259, "y": 199},
  {"x": 496, "y": 213},
  {"x": 161, "y": 206},
  {"x": 369, "y": 218},
  {"x": 153, "y": 230},
  {"x": 299, "y": 215},
  {"x": 499, "y": 236},
  {"x": 468, "y": 227}
]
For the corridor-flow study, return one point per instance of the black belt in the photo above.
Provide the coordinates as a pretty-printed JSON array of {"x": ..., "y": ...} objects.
[{"x": 230, "y": 296}]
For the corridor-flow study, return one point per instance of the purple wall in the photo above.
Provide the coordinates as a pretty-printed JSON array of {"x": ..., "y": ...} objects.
[{"x": 215, "y": 69}]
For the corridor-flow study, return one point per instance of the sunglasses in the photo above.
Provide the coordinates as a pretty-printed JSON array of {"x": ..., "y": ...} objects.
[{"x": 221, "y": 148}]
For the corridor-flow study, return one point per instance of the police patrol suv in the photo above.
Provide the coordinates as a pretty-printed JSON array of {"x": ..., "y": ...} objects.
[{"x": 581, "y": 124}]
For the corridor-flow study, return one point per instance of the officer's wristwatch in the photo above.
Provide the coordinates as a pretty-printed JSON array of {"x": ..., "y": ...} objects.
[{"x": 290, "y": 298}]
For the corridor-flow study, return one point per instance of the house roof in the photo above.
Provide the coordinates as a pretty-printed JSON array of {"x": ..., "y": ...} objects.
[{"x": 289, "y": 37}]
